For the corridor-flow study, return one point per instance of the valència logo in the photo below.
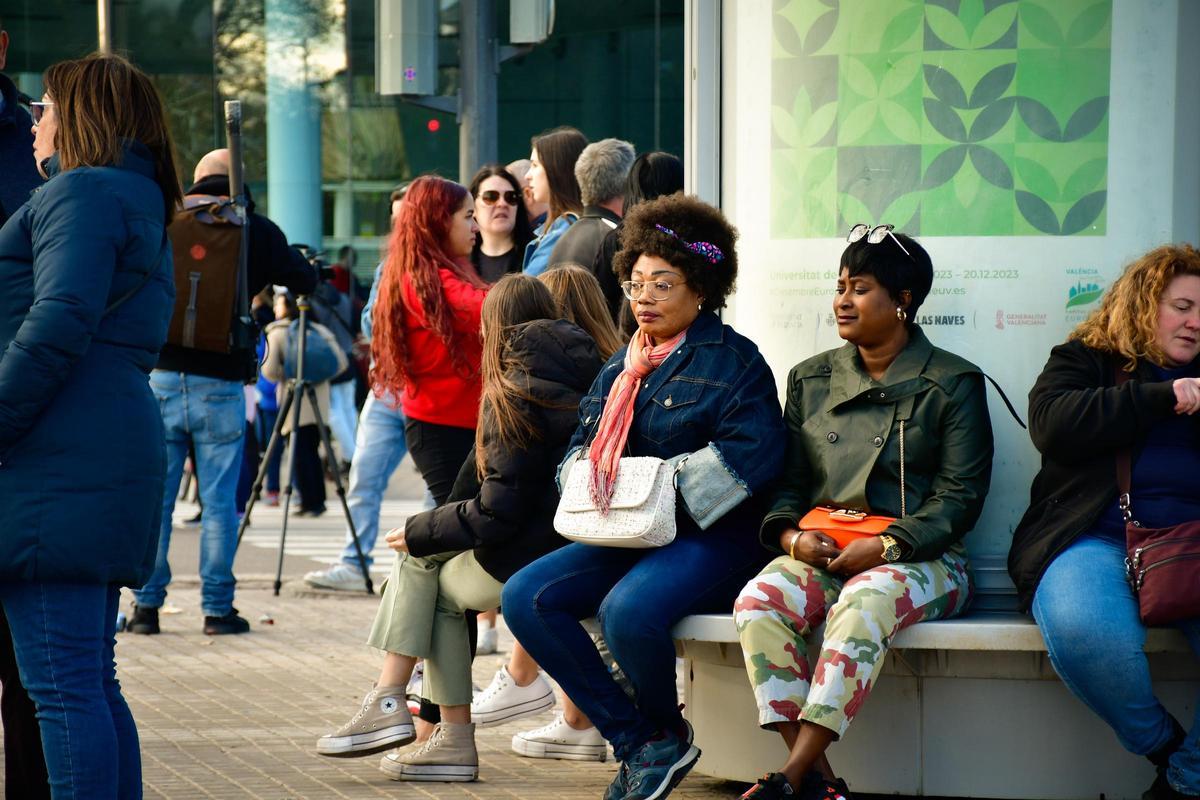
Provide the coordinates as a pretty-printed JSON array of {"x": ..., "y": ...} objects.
[{"x": 1082, "y": 294}]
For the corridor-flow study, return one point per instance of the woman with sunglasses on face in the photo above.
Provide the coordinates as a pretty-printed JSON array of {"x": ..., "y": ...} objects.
[
  {"x": 86, "y": 269},
  {"x": 690, "y": 390},
  {"x": 889, "y": 425},
  {"x": 503, "y": 223},
  {"x": 551, "y": 179}
]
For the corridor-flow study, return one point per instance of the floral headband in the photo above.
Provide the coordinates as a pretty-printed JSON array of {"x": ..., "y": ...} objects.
[{"x": 710, "y": 252}]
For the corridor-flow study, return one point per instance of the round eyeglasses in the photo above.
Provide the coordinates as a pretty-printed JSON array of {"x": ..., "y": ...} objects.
[{"x": 659, "y": 290}]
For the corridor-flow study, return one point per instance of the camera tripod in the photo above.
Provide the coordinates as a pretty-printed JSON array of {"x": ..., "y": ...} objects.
[{"x": 297, "y": 391}]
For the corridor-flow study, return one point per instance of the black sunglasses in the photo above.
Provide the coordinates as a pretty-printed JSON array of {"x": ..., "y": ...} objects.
[{"x": 491, "y": 196}]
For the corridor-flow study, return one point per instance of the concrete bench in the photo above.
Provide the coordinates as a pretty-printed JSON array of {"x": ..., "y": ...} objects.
[{"x": 968, "y": 707}]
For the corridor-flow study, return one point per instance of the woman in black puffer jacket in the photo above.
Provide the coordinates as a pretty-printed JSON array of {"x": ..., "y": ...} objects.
[{"x": 536, "y": 368}]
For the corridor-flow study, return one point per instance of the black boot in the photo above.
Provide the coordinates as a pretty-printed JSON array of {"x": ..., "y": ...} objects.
[
  {"x": 144, "y": 620},
  {"x": 1161, "y": 789}
]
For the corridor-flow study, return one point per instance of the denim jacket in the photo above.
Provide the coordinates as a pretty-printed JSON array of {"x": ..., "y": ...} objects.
[{"x": 711, "y": 408}]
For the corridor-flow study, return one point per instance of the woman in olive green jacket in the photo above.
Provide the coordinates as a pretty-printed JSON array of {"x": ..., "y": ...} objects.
[{"x": 890, "y": 425}]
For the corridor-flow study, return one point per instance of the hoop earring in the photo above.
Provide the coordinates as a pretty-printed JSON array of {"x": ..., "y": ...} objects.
[{"x": 901, "y": 314}]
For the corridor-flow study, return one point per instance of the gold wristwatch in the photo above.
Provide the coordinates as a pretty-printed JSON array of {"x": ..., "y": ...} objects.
[{"x": 891, "y": 548}]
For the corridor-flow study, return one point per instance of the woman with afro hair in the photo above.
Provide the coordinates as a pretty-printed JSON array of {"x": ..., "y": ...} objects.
[{"x": 692, "y": 391}]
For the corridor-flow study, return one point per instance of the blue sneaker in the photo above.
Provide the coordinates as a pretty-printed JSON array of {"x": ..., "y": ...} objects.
[
  {"x": 658, "y": 767},
  {"x": 620, "y": 784}
]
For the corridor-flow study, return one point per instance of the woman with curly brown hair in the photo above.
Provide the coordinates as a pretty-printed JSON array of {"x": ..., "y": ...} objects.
[
  {"x": 692, "y": 391},
  {"x": 1127, "y": 380},
  {"x": 426, "y": 348}
]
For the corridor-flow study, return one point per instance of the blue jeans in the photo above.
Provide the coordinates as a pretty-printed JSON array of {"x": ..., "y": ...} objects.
[
  {"x": 380, "y": 449},
  {"x": 211, "y": 413},
  {"x": 343, "y": 416},
  {"x": 63, "y": 635},
  {"x": 637, "y": 596},
  {"x": 1089, "y": 618}
]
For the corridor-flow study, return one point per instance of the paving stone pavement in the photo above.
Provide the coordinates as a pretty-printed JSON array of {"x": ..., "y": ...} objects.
[{"x": 237, "y": 716}]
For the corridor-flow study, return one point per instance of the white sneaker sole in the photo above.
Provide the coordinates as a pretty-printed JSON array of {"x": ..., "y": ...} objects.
[
  {"x": 677, "y": 773},
  {"x": 365, "y": 744},
  {"x": 486, "y": 719},
  {"x": 531, "y": 748},
  {"x": 442, "y": 773}
]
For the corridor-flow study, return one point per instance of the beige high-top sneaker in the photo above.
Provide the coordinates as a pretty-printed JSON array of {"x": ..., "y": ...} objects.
[
  {"x": 449, "y": 755},
  {"x": 382, "y": 722}
]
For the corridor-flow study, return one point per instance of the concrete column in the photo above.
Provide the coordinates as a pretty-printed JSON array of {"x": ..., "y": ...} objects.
[
  {"x": 479, "y": 119},
  {"x": 293, "y": 125}
]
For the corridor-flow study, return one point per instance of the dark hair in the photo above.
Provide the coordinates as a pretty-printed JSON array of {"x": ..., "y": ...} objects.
[
  {"x": 692, "y": 221},
  {"x": 558, "y": 150},
  {"x": 101, "y": 101},
  {"x": 522, "y": 231},
  {"x": 653, "y": 175},
  {"x": 894, "y": 270}
]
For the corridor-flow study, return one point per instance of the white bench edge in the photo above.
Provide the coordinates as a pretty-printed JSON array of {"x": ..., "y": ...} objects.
[{"x": 987, "y": 631}]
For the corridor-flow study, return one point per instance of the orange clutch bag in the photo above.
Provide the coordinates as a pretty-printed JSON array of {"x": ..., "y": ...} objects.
[{"x": 844, "y": 525}]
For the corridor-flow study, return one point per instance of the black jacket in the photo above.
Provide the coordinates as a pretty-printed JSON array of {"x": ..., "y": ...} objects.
[
  {"x": 271, "y": 261},
  {"x": 18, "y": 172},
  {"x": 1078, "y": 419},
  {"x": 509, "y": 522},
  {"x": 581, "y": 244}
]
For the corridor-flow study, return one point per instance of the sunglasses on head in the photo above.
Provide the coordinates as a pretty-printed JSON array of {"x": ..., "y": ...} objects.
[
  {"x": 492, "y": 196},
  {"x": 875, "y": 235},
  {"x": 38, "y": 110}
]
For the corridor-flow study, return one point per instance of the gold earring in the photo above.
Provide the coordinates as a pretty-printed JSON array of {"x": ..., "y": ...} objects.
[{"x": 901, "y": 314}]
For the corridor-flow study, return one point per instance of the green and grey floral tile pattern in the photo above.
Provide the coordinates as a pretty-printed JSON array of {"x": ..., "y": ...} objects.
[{"x": 943, "y": 117}]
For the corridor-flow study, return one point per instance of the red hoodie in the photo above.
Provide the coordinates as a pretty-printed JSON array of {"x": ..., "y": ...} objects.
[{"x": 438, "y": 391}]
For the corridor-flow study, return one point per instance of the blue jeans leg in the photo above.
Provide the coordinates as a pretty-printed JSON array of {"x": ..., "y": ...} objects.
[
  {"x": 211, "y": 414},
  {"x": 63, "y": 636},
  {"x": 171, "y": 402},
  {"x": 343, "y": 417},
  {"x": 218, "y": 426},
  {"x": 380, "y": 449},
  {"x": 638, "y": 597},
  {"x": 264, "y": 424},
  {"x": 1088, "y": 616}
]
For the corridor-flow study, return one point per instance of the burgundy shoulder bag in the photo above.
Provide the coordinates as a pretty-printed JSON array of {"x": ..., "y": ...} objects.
[{"x": 1162, "y": 565}]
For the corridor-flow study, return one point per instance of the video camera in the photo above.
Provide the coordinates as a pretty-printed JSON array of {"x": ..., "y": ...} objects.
[{"x": 315, "y": 257}]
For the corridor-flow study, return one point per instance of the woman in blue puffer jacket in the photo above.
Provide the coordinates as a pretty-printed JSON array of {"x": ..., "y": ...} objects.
[{"x": 88, "y": 294}]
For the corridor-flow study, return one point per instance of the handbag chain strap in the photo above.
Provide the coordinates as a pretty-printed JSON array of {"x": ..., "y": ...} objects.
[
  {"x": 903, "y": 506},
  {"x": 1124, "y": 468}
]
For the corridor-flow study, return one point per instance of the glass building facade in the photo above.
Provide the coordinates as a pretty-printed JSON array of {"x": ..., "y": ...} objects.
[{"x": 307, "y": 69}]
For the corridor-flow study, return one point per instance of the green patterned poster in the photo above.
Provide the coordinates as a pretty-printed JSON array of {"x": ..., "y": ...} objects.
[{"x": 943, "y": 117}]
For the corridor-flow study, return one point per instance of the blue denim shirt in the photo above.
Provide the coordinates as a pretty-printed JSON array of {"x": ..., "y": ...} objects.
[
  {"x": 711, "y": 407},
  {"x": 537, "y": 252}
]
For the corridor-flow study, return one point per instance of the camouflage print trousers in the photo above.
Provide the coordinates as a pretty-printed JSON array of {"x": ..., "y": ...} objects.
[{"x": 778, "y": 611}]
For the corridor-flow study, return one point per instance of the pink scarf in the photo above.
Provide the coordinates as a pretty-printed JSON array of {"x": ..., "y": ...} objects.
[{"x": 612, "y": 431}]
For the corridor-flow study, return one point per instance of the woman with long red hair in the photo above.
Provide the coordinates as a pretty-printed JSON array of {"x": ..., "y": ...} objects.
[{"x": 426, "y": 346}]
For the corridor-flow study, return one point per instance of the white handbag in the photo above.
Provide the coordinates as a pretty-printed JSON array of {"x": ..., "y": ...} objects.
[{"x": 640, "y": 515}]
